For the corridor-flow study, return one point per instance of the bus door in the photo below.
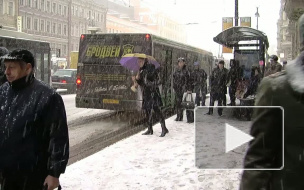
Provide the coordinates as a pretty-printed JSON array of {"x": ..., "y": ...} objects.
[
  {"x": 169, "y": 95},
  {"x": 38, "y": 66}
]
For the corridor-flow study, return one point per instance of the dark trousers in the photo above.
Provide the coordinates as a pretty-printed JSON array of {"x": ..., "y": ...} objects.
[
  {"x": 200, "y": 90},
  {"x": 179, "y": 109},
  {"x": 232, "y": 91},
  {"x": 213, "y": 98},
  {"x": 158, "y": 113},
  {"x": 22, "y": 181}
]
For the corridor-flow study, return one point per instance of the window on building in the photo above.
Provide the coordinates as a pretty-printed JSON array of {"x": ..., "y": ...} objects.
[
  {"x": 35, "y": 4},
  {"x": 48, "y": 25},
  {"x": 42, "y": 5},
  {"x": 54, "y": 28},
  {"x": 59, "y": 29},
  {"x": 21, "y": 2},
  {"x": 76, "y": 11},
  {"x": 65, "y": 11},
  {"x": 28, "y": 22},
  {"x": 42, "y": 25},
  {"x": 59, "y": 10},
  {"x": 65, "y": 29},
  {"x": 77, "y": 31},
  {"x": 54, "y": 8},
  {"x": 82, "y": 13},
  {"x": 35, "y": 24},
  {"x": 23, "y": 22},
  {"x": 1, "y": 6},
  {"x": 29, "y": 3},
  {"x": 72, "y": 30},
  {"x": 72, "y": 9},
  {"x": 11, "y": 8},
  {"x": 64, "y": 49},
  {"x": 48, "y": 6}
]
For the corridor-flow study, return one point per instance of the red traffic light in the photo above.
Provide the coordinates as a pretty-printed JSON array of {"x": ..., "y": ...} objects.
[{"x": 147, "y": 36}]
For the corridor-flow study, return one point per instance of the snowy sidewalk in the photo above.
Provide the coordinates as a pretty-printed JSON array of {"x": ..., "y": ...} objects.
[{"x": 149, "y": 162}]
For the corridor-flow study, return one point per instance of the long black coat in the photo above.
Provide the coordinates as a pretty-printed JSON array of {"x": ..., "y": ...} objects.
[
  {"x": 182, "y": 81},
  {"x": 234, "y": 75},
  {"x": 33, "y": 128},
  {"x": 149, "y": 82},
  {"x": 218, "y": 81}
]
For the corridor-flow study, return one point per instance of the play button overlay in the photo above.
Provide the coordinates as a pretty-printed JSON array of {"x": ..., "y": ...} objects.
[
  {"x": 222, "y": 140},
  {"x": 235, "y": 138}
]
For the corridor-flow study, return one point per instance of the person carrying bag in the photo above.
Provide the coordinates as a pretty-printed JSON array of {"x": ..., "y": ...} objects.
[{"x": 189, "y": 104}]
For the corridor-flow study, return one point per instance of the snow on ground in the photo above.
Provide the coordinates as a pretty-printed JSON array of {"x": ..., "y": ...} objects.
[{"x": 149, "y": 162}]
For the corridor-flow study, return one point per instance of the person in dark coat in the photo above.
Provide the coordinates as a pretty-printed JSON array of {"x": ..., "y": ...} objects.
[
  {"x": 218, "y": 80},
  {"x": 34, "y": 141},
  {"x": 200, "y": 85},
  {"x": 283, "y": 89},
  {"x": 273, "y": 67},
  {"x": 3, "y": 51},
  {"x": 254, "y": 82},
  {"x": 181, "y": 84},
  {"x": 224, "y": 98},
  {"x": 234, "y": 76},
  {"x": 149, "y": 81}
]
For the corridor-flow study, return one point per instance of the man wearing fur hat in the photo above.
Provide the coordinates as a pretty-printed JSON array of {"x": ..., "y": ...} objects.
[
  {"x": 34, "y": 142},
  {"x": 285, "y": 89}
]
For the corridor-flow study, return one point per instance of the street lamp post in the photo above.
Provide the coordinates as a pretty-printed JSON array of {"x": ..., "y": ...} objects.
[{"x": 257, "y": 15}]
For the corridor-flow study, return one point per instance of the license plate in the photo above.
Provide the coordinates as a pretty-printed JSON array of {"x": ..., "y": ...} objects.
[{"x": 110, "y": 101}]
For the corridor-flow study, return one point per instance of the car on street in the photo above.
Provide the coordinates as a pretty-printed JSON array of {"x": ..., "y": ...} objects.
[{"x": 65, "y": 79}]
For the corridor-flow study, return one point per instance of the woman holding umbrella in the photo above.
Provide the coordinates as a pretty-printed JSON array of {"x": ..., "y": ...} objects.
[{"x": 148, "y": 79}]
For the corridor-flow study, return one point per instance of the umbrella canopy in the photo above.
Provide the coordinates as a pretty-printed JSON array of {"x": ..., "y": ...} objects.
[{"x": 129, "y": 61}]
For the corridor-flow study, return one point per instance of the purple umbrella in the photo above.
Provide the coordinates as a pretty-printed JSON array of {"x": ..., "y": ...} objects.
[{"x": 129, "y": 61}]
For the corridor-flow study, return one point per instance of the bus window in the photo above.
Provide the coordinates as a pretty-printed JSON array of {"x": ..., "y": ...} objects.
[
  {"x": 46, "y": 67},
  {"x": 38, "y": 66}
]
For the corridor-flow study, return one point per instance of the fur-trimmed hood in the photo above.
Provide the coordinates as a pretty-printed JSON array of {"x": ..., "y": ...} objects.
[{"x": 295, "y": 73}]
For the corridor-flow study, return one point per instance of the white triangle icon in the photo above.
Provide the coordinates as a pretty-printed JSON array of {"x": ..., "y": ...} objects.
[{"x": 235, "y": 138}]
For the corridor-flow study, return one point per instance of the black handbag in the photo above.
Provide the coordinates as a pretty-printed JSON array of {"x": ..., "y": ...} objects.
[{"x": 189, "y": 105}]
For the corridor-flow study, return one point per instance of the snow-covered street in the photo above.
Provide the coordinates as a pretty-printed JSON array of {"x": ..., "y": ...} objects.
[
  {"x": 149, "y": 162},
  {"x": 77, "y": 114}
]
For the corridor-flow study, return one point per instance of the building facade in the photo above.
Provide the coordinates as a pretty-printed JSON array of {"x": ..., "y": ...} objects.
[
  {"x": 284, "y": 38},
  {"x": 60, "y": 22},
  {"x": 293, "y": 9},
  {"x": 8, "y": 14}
]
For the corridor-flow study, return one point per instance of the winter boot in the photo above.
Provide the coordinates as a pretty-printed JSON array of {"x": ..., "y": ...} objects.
[
  {"x": 164, "y": 129},
  {"x": 149, "y": 131}
]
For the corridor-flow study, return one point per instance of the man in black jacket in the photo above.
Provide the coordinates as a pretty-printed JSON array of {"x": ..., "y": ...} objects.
[
  {"x": 218, "y": 80},
  {"x": 234, "y": 76},
  {"x": 182, "y": 84},
  {"x": 34, "y": 143},
  {"x": 199, "y": 77}
]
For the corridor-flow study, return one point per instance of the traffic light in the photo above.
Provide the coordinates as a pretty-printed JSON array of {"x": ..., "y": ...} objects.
[{"x": 57, "y": 52}]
